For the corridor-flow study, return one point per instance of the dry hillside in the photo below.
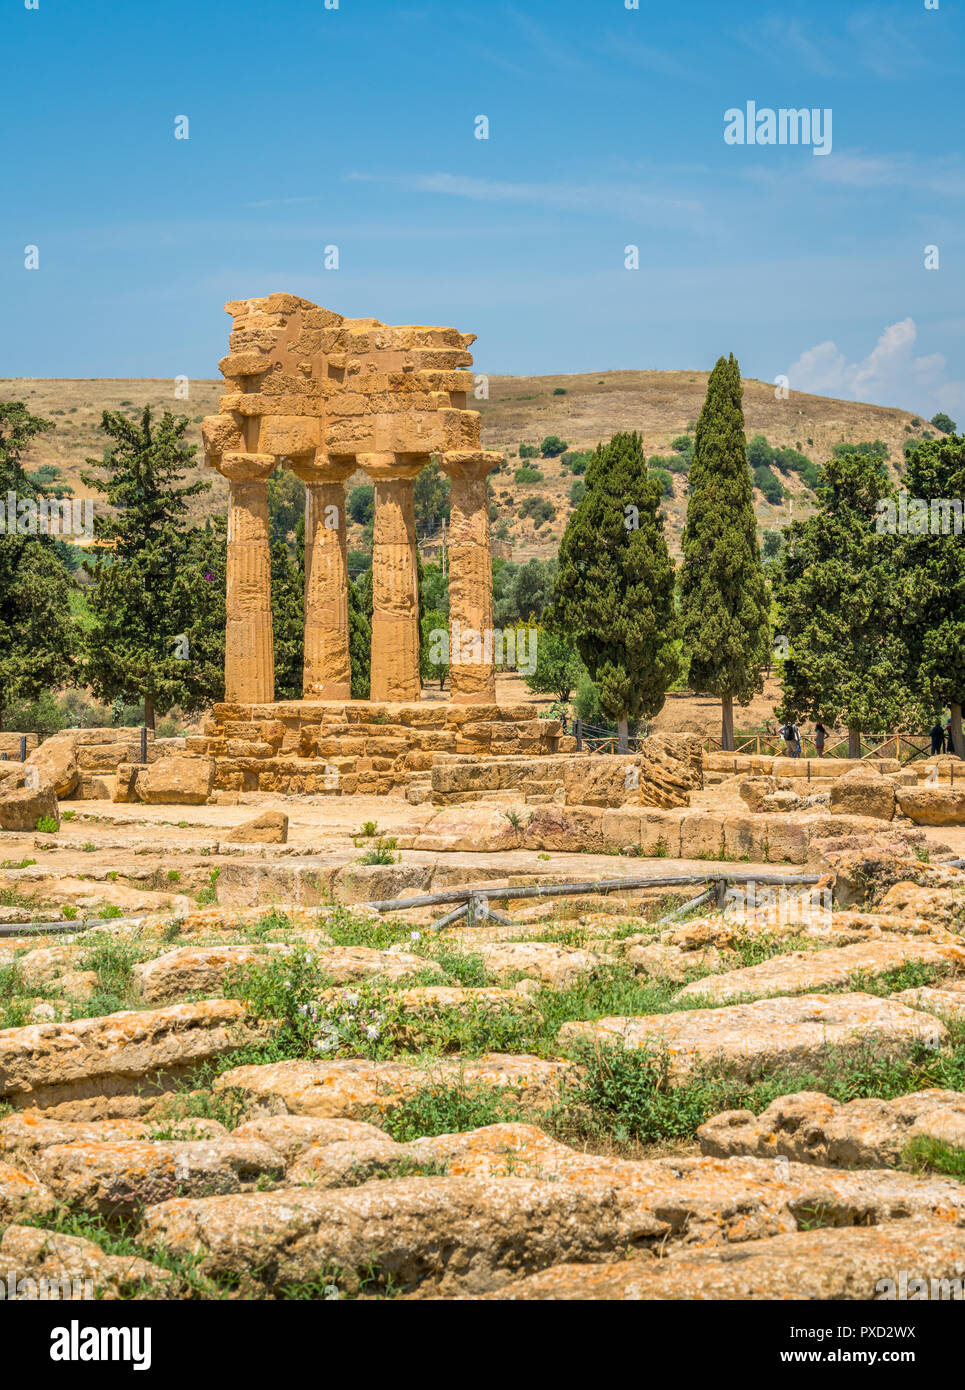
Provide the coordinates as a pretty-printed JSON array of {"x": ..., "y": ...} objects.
[{"x": 583, "y": 410}]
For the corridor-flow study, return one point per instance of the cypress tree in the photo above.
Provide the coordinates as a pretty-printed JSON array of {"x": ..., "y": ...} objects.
[
  {"x": 931, "y": 568},
  {"x": 724, "y": 598},
  {"x": 614, "y": 590},
  {"x": 841, "y": 606}
]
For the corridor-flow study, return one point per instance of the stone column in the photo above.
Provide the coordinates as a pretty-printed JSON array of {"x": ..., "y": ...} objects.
[
  {"x": 249, "y": 651},
  {"x": 472, "y": 678},
  {"x": 395, "y": 604},
  {"x": 327, "y": 671}
]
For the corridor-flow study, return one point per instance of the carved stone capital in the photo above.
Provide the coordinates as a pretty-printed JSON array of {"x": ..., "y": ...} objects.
[
  {"x": 246, "y": 468},
  {"x": 384, "y": 467},
  {"x": 469, "y": 464}
]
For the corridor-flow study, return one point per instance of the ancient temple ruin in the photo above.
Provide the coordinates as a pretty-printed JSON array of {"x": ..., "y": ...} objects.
[{"x": 325, "y": 396}]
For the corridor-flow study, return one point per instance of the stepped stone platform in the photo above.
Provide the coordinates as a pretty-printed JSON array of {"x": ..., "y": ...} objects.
[{"x": 361, "y": 747}]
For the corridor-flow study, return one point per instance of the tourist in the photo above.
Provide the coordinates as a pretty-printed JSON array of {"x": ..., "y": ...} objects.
[
  {"x": 949, "y": 741},
  {"x": 820, "y": 736},
  {"x": 789, "y": 734},
  {"x": 937, "y": 738}
]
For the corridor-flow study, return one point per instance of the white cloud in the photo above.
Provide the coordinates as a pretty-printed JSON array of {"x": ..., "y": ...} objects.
[
  {"x": 891, "y": 374},
  {"x": 572, "y": 197}
]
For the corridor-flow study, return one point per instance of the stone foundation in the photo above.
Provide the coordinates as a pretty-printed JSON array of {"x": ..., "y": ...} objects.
[
  {"x": 361, "y": 747},
  {"x": 10, "y": 745},
  {"x": 662, "y": 774}
]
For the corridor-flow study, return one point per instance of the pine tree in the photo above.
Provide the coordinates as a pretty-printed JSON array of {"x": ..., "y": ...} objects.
[
  {"x": 614, "y": 590},
  {"x": 840, "y": 602},
  {"x": 722, "y": 586},
  {"x": 37, "y": 634},
  {"x": 141, "y": 607},
  {"x": 931, "y": 568}
]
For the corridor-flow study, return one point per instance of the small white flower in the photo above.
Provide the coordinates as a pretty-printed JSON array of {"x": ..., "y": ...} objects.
[
  {"x": 415, "y": 936},
  {"x": 372, "y": 1032},
  {"x": 351, "y": 1000}
]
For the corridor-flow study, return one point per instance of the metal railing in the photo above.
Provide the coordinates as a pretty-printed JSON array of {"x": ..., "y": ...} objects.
[
  {"x": 906, "y": 748},
  {"x": 590, "y": 738},
  {"x": 474, "y": 903}
]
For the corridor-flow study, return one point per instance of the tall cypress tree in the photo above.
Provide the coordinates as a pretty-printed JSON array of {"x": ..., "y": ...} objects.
[
  {"x": 723, "y": 591},
  {"x": 614, "y": 591},
  {"x": 931, "y": 569},
  {"x": 841, "y": 607}
]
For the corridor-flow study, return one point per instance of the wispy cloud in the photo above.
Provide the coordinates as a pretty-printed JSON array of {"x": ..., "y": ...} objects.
[
  {"x": 587, "y": 197},
  {"x": 778, "y": 39},
  {"x": 546, "y": 45},
  {"x": 943, "y": 176},
  {"x": 650, "y": 59},
  {"x": 881, "y": 41}
]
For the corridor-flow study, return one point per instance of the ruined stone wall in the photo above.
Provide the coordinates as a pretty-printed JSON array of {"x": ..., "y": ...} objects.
[{"x": 364, "y": 747}]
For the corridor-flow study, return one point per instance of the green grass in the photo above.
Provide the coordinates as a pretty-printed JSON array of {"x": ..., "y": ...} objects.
[
  {"x": 628, "y": 1095},
  {"x": 209, "y": 893},
  {"x": 451, "y": 1109},
  {"x": 924, "y": 1154}
]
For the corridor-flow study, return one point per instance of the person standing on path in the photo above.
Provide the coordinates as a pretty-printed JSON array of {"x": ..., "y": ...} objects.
[
  {"x": 937, "y": 738},
  {"x": 820, "y": 736}
]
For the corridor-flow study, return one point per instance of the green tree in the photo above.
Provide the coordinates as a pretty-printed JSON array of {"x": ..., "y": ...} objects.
[
  {"x": 532, "y": 591},
  {"x": 361, "y": 504},
  {"x": 37, "y": 634},
  {"x": 931, "y": 568},
  {"x": 840, "y": 602},
  {"x": 552, "y": 446},
  {"x": 945, "y": 423},
  {"x": 360, "y": 634},
  {"x": 434, "y": 589},
  {"x": 199, "y": 593},
  {"x": 723, "y": 592},
  {"x": 431, "y": 497},
  {"x": 432, "y": 623},
  {"x": 140, "y": 607},
  {"x": 558, "y": 666},
  {"x": 288, "y": 621},
  {"x": 286, "y": 504},
  {"x": 614, "y": 590}
]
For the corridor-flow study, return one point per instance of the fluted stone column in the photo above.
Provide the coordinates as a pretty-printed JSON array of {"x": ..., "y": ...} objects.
[
  {"x": 395, "y": 605},
  {"x": 471, "y": 638},
  {"x": 249, "y": 650},
  {"x": 327, "y": 670}
]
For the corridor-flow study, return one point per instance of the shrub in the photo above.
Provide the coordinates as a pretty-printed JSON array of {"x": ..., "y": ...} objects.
[
  {"x": 46, "y": 825},
  {"x": 528, "y": 475},
  {"x": 552, "y": 446}
]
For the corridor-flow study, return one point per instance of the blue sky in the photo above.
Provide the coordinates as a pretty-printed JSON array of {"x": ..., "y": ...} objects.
[{"x": 355, "y": 127}]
